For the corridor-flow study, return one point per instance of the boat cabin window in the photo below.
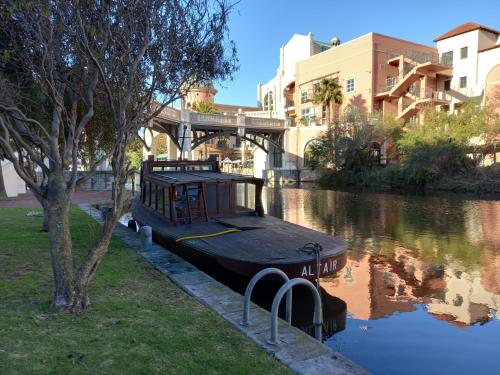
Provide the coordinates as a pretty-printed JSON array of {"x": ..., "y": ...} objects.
[
  {"x": 245, "y": 197},
  {"x": 157, "y": 197}
]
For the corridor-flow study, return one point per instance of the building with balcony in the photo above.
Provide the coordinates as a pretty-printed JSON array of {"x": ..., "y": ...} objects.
[{"x": 379, "y": 73}]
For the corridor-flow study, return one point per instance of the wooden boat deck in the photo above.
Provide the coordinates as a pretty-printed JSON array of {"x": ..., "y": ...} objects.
[{"x": 265, "y": 240}]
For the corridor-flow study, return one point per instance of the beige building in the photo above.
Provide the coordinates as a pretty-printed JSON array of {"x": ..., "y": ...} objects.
[{"x": 379, "y": 73}]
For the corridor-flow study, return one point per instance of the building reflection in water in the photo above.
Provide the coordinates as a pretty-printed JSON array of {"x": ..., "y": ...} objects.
[{"x": 405, "y": 251}]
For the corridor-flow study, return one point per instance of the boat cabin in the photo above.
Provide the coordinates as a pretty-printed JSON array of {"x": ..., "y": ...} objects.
[{"x": 186, "y": 191}]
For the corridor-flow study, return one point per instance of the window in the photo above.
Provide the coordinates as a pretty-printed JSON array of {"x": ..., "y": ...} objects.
[
  {"x": 464, "y": 52},
  {"x": 349, "y": 85},
  {"x": 324, "y": 114},
  {"x": 306, "y": 113},
  {"x": 447, "y": 58},
  {"x": 315, "y": 89},
  {"x": 391, "y": 81},
  {"x": 268, "y": 101},
  {"x": 303, "y": 97},
  {"x": 463, "y": 82},
  {"x": 447, "y": 85}
]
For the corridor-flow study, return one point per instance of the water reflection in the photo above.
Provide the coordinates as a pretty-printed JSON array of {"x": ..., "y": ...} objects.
[
  {"x": 407, "y": 254},
  {"x": 404, "y": 250}
]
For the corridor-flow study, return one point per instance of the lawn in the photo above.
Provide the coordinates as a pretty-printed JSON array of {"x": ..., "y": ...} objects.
[{"x": 140, "y": 322}]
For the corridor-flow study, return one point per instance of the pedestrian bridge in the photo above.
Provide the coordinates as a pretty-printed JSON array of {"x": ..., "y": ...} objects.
[{"x": 188, "y": 129}]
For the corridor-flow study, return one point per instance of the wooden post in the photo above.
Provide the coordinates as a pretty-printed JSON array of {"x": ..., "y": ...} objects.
[
  {"x": 203, "y": 201},
  {"x": 149, "y": 197},
  {"x": 163, "y": 199},
  {"x": 187, "y": 203},
  {"x": 259, "y": 209},
  {"x": 156, "y": 197},
  {"x": 173, "y": 211}
]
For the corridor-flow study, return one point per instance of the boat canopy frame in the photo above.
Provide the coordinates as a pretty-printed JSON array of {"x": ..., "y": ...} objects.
[{"x": 167, "y": 187}]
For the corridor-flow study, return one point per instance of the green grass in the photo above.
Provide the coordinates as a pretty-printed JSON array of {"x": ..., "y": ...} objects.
[{"x": 140, "y": 323}]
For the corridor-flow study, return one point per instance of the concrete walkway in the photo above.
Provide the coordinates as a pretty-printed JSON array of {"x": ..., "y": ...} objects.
[
  {"x": 297, "y": 350},
  {"x": 29, "y": 200}
]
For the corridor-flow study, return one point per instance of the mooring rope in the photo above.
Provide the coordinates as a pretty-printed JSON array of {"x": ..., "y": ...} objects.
[{"x": 230, "y": 230}]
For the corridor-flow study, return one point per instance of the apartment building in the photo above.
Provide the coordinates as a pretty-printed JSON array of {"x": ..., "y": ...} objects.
[
  {"x": 364, "y": 67},
  {"x": 387, "y": 74},
  {"x": 377, "y": 73}
]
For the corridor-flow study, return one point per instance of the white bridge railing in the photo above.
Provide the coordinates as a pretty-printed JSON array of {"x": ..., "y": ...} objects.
[
  {"x": 262, "y": 114},
  {"x": 256, "y": 122},
  {"x": 212, "y": 119},
  {"x": 208, "y": 118}
]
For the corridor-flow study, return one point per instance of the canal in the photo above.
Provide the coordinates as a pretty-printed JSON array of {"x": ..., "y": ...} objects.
[{"x": 421, "y": 289}]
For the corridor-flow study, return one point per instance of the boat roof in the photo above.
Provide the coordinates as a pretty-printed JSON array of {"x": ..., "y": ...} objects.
[
  {"x": 188, "y": 177},
  {"x": 178, "y": 172}
]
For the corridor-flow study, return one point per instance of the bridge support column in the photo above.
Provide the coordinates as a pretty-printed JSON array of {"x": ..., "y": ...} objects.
[
  {"x": 184, "y": 136},
  {"x": 240, "y": 120},
  {"x": 149, "y": 137}
]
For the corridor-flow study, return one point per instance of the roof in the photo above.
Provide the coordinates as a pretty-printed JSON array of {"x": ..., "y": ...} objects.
[
  {"x": 180, "y": 178},
  {"x": 465, "y": 28},
  {"x": 489, "y": 48}
]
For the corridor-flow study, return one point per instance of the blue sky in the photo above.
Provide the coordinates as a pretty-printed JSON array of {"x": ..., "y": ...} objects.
[{"x": 260, "y": 27}]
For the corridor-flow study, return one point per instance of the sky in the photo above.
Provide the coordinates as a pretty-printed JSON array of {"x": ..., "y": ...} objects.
[{"x": 259, "y": 28}]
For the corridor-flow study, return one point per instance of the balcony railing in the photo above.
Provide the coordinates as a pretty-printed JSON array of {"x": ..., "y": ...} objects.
[
  {"x": 429, "y": 95},
  {"x": 262, "y": 114},
  {"x": 418, "y": 57}
]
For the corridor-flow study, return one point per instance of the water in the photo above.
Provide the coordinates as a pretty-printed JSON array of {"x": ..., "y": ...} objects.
[{"x": 422, "y": 282}]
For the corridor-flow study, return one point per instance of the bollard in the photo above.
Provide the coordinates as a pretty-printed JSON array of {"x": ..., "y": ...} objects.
[{"x": 146, "y": 237}]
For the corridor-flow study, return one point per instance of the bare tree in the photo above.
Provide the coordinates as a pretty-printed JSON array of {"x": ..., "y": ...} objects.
[
  {"x": 3, "y": 192},
  {"x": 140, "y": 54}
]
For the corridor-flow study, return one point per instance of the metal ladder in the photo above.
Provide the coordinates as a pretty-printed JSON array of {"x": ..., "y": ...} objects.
[{"x": 285, "y": 289}]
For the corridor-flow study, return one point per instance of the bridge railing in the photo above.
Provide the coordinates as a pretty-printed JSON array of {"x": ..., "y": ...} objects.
[
  {"x": 262, "y": 114},
  {"x": 170, "y": 114},
  {"x": 212, "y": 119},
  {"x": 256, "y": 122},
  {"x": 209, "y": 118}
]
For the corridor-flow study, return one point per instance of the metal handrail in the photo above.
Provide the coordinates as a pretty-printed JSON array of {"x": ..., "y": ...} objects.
[
  {"x": 318, "y": 316},
  {"x": 248, "y": 293}
]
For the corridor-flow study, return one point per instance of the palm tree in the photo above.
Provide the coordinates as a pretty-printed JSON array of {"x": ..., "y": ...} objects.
[
  {"x": 204, "y": 107},
  {"x": 328, "y": 92}
]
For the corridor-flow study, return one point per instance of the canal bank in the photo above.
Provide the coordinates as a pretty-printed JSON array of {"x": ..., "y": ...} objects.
[{"x": 296, "y": 349}]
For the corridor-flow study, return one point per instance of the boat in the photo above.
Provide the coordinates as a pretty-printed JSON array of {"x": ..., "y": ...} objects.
[{"x": 214, "y": 218}]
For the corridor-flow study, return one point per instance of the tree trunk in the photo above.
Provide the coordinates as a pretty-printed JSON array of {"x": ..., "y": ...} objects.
[
  {"x": 58, "y": 208},
  {"x": 45, "y": 224},
  {"x": 3, "y": 192}
]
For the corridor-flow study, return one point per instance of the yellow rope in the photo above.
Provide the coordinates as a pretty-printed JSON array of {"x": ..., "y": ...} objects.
[{"x": 230, "y": 230}]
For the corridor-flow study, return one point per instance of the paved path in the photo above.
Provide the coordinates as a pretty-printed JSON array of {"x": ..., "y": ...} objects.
[
  {"x": 296, "y": 349},
  {"x": 29, "y": 200}
]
